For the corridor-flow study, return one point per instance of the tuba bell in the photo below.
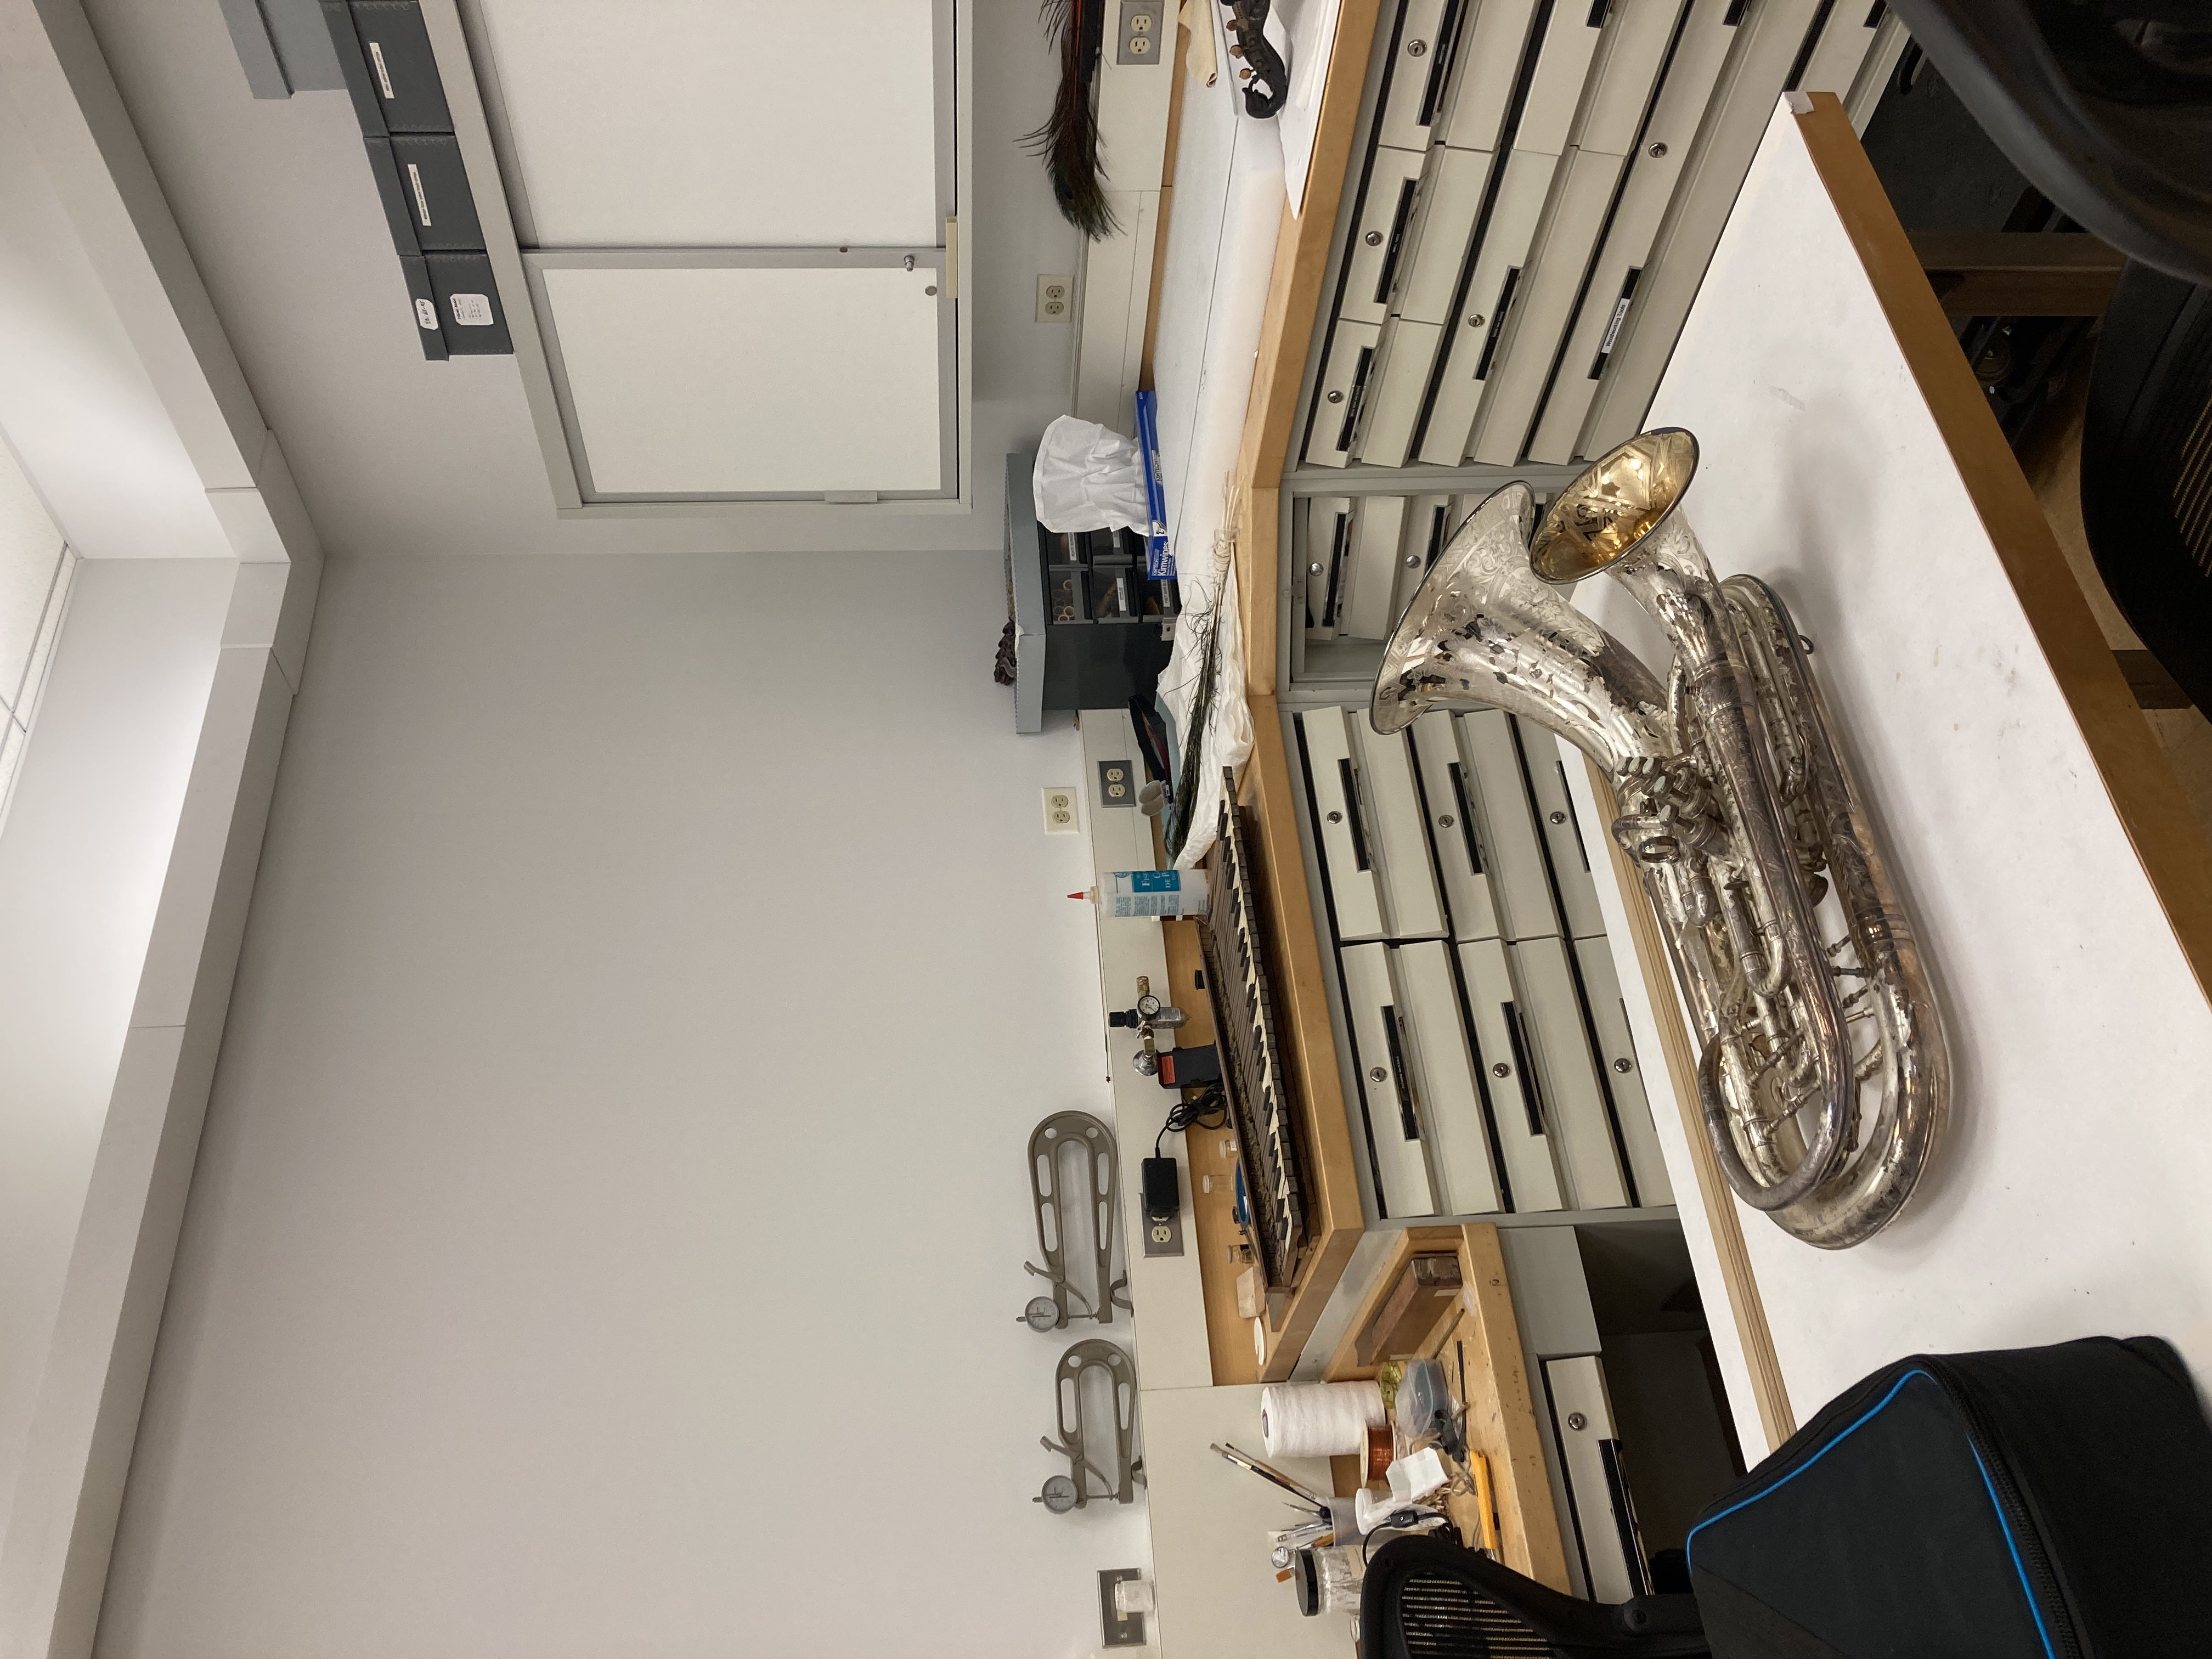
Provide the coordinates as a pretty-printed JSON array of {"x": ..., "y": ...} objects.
[{"x": 1822, "y": 1076}]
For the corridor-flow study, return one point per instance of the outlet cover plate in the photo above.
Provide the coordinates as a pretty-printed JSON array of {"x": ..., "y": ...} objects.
[
  {"x": 1117, "y": 782},
  {"x": 1162, "y": 1237},
  {"x": 1055, "y": 299},
  {"x": 1060, "y": 809},
  {"x": 1122, "y": 1629},
  {"x": 1144, "y": 38}
]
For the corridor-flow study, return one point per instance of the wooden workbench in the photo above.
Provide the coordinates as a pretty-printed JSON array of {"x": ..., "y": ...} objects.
[{"x": 1477, "y": 1340}]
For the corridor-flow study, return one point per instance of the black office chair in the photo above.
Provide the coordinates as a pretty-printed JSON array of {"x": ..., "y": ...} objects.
[
  {"x": 1426, "y": 1598},
  {"x": 2147, "y": 470},
  {"x": 2105, "y": 105}
]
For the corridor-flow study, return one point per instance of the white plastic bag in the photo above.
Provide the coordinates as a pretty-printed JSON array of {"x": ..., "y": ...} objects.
[{"x": 1089, "y": 478}]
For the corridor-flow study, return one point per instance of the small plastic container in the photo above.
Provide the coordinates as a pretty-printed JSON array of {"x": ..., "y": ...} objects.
[
  {"x": 1149, "y": 893},
  {"x": 1329, "y": 1579}
]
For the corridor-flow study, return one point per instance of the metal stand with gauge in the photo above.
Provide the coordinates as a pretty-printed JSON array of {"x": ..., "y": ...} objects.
[
  {"x": 1081, "y": 1438},
  {"x": 1065, "y": 1212}
]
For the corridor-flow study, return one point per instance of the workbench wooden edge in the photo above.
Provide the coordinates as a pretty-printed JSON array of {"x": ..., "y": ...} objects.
[
  {"x": 1770, "y": 1395},
  {"x": 1334, "y": 1216},
  {"x": 2137, "y": 775},
  {"x": 1286, "y": 330}
]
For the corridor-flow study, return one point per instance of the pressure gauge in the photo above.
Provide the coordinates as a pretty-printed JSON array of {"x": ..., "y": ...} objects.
[
  {"x": 1148, "y": 1005},
  {"x": 1058, "y": 1495}
]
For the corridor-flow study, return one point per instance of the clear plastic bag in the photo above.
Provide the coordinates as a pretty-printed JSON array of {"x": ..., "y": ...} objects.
[{"x": 1089, "y": 478}]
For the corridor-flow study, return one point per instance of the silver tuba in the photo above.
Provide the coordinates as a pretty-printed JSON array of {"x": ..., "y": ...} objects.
[{"x": 1822, "y": 1077}]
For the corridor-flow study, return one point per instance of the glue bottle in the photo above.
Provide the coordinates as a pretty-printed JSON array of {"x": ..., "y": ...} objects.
[{"x": 1148, "y": 893}]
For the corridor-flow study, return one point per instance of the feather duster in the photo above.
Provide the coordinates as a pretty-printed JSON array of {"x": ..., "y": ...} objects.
[{"x": 1068, "y": 141}]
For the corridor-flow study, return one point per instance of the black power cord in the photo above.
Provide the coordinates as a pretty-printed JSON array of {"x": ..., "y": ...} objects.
[{"x": 1209, "y": 1110}]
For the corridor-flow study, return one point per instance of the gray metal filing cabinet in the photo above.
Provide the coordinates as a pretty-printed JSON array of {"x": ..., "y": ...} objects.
[
  {"x": 1482, "y": 1019},
  {"x": 1535, "y": 189}
]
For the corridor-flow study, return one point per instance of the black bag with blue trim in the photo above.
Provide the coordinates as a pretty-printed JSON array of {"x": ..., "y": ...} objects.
[{"x": 2030, "y": 1504}]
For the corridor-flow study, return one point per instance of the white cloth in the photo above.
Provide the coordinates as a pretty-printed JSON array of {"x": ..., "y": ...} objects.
[
  {"x": 1228, "y": 736},
  {"x": 1221, "y": 250},
  {"x": 1089, "y": 478}
]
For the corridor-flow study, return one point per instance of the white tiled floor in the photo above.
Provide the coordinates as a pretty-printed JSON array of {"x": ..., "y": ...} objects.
[{"x": 35, "y": 566}]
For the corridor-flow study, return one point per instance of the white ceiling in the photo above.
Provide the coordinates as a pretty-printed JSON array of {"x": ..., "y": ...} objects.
[
  {"x": 395, "y": 455},
  {"x": 717, "y": 123},
  {"x": 729, "y": 378}
]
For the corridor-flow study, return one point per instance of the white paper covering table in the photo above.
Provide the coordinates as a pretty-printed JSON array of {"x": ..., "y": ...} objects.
[{"x": 2057, "y": 880}]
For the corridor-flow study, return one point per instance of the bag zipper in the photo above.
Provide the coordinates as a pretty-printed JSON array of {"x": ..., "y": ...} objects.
[{"x": 2035, "y": 1561}]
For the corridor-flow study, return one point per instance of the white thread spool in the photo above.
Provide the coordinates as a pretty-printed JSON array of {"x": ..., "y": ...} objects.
[{"x": 1319, "y": 1420}]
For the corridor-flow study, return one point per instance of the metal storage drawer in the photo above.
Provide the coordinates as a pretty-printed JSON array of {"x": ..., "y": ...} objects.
[
  {"x": 1396, "y": 388},
  {"x": 1378, "y": 237},
  {"x": 1394, "y": 1126},
  {"x": 1512, "y": 848},
  {"x": 1653, "y": 172},
  {"x": 1574, "y": 1100},
  {"x": 1377, "y": 849},
  {"x": 1322, "y": 538},
  {"x": 1570, "y": 843},
  {"x": 1378, "y": 532},
  {"x": 1846, "y": 37},
  {"x": 1347, "y": 855},
  {"x": 1597, "y": 1480},
  {"x": 1524, "y": 1140},
  {"x": 1623, "y": 1072},
  {"x": 1622, "y": 72},
  {"x": 1473, "y": 345},
  {"x": 1487, "y": 64},
  {"x": 1420, "y": 72},
  {"x": 1410, "y": 904},
  {"x": 1343, "y": 388},
  {"x": 1433, "y": 1047},
  {"x": 1444, "y": 225},
  {"x": 1751, "y": 78},
  {"x": 1453, "y": 828},
  {"x": 1543, "y": 304},
  {"x": 1563, "y": 68}
]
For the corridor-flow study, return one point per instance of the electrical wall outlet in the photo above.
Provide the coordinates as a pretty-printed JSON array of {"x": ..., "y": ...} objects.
[
  {"x": 1144, "y": 32},
  {"x": 1119, "y": 1629},
  {"x": 1117, "y": 783},
  {"x": 1059, "y": 811},
  {"x": 1055, "y": 299}
]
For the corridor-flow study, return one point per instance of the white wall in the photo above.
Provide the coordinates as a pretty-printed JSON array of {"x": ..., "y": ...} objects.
[
  {"x": 609, "y": 1227},
  {"x": 77, "y": 403},
  {"x": 89, "y": 842}
]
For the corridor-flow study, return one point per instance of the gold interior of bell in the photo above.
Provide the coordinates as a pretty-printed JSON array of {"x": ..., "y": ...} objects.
[{"x": 1618, "y": 502}]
